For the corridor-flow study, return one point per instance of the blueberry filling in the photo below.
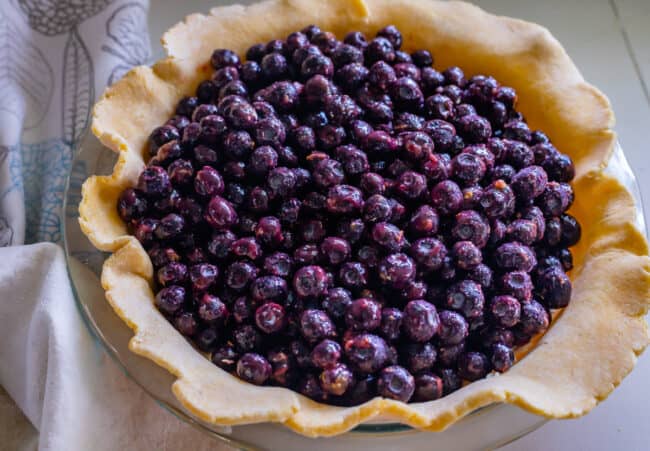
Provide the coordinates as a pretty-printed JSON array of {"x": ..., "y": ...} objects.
[{"x": 344, "y": 220}]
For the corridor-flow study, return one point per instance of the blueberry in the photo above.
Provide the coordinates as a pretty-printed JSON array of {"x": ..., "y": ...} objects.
[
  {"x": 239, "y": 275},
  {"x": 428, "y": 387},
  {"x": 467, "y": 297},
  {"x": 379, "y": 49},
  {"x": 355, "y": 38},
  {"x": 281, "y": 182},
  {"x": 554, "y": 287},
  {"x": 446, "y": 197},
  {"x": 186, "y": 323},
  {"x": 278, "y": 264},
  {"x": 420, "y": 322},
  {"x": 131, "y": 205},
  {"x": 505, "y": 310},
  {"x": 154, "y": 182},
  {"x": 220, "y": 213},
  {"x": 515, "y": 256},
  {"x": 391, "y": 323},
  {"x": 327, "y": 173},
  {"x": 274, "y": 66},
  {"x": 366, "y": 352},
  {"x": 212, "y": 310},
  {"x": 310, "y": 281},
  {"x": 172, "y": 273},
  {"x": 203, "y": 276},
  {"x": 439, "y": 106},
  {"x": 316, "y": 64},
  {"x": 422, "y": 58},
  {"x": 498, "y": 200},
  {"x": 517, "y": 284},
  {"x": 393, "y": 35},
  {"x": 170, "y": 299},
  {"x": 326, "y": 354},
  {"x": 474, "y": 128},
  {"x": 559, "y": 167},
  {"x": 473, "y": 366},
  {"x": 283, "y": 96},
  {"x": 470, "y": 225},
  {"x": 353, "y": 275},
  {"x": 270, "y": 317},
  {"x": 518, "y": 154},
  {"x": 555, "y": 199},
  {"x": 522, "y": 230},
  {"x": 395, "y": 382},
  {"x": 353, "y": 159},
  {"x": 346, "y": 54},
  {"x": 307, "y": 254},
  {"x": 335, "y": 250},
  {"x": 453, "y": 328},
  {"x": 315, "y": 325},
  {"x": 269, "y": 231},
  {"x": 295, "y": 41},
  {"x": 187, "y": 105},
  {"x": 411, "y": 184},
  {"x": 224, "y": 57},
  {"x": 162, "y": 135},
  {"x": 283, "y": 367},
  {"x": 363, "y": 315},
  {"x": 262, "y": 160},
  {"x": 466, "y": 255},
  {"x": 325, "y": 41},
  {"x": 428, "y": 253},
  {"x": 571, "y": 230},
  {"x": 407, "y": 69},
  {"x": 534, "y": 318},
  {"x": 337, "y": 379},
  {"x": 268, "y": 288},
  {"x": 502, "y": 357},
  {"x": 450, "y": 380},
  {"x": 517, "y": 130},
  {"x": 351, "y": 76},
  {"x": 253, "y": 368},
  {"x": 344, "y": 199}
]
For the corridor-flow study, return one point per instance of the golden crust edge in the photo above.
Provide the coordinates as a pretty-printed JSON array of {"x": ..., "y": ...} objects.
[{"x": 364, "y": 412}]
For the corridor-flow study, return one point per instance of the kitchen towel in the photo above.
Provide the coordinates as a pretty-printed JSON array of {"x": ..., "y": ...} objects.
[{"x": 56, "y": 57}]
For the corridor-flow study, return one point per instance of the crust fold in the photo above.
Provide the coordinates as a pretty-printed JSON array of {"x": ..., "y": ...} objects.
[{"x": 590, "y": 347}]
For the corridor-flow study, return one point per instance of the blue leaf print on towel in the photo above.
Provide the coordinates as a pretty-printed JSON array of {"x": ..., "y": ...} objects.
[
  {"x": 26, "y": 78},
  {"x": 127, "y": 29},
  {"x": 44, "y": 167},
  {"x": 78, "y": 88}
]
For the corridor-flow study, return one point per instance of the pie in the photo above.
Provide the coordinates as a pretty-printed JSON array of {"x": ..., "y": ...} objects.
[{"x": 342, "y": 228}]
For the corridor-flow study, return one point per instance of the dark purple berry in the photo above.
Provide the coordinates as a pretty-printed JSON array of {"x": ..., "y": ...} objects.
[
  {"x": 366, "y": 352},
  {"x": 467, "y": 297},
  {"x": 395, "y": 382},
  {"x": 315, "y": 325},
  {"x": 473, "y": 366}
]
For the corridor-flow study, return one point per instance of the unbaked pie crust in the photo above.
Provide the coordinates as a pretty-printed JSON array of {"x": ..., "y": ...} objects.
[{"x": 592, "y": 345}]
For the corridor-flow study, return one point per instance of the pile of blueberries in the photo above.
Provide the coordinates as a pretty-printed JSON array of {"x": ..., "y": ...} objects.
[{"x": 341, "y": 219}]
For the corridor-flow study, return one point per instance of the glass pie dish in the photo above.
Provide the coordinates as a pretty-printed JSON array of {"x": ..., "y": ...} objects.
[{"x": 486, "y": 428}]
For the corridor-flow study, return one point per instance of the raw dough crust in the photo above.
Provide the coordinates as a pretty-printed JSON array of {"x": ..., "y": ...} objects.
[{"x": 591, "y": 346}]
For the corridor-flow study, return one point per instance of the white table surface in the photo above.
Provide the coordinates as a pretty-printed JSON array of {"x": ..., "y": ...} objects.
[{"x": 609, "y": 40}]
